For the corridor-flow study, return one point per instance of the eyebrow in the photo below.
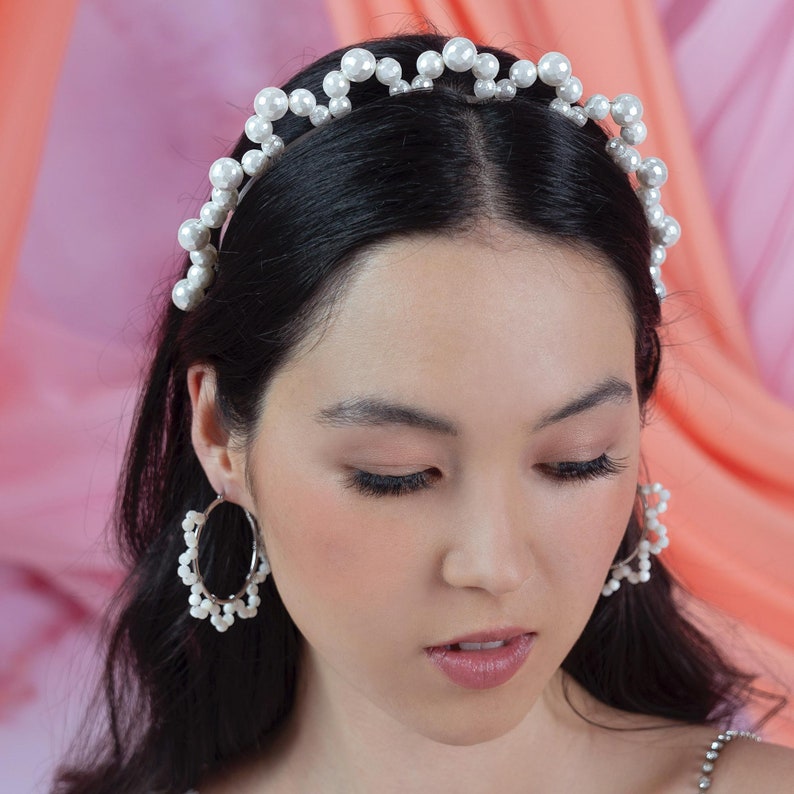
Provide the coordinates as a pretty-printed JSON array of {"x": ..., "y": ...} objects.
[{"x": 370, "y": 411}]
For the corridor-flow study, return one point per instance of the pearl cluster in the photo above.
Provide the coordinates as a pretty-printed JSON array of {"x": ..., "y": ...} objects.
[
  {"x": 458, "y": 55},
  {"x": 203, "y": 604},
  {"x": 713, "y": 753},
  {"x": 645, "y": 548}
]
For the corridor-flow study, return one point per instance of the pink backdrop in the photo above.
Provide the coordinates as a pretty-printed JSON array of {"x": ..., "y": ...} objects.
[{"x": 148, "y": 94}]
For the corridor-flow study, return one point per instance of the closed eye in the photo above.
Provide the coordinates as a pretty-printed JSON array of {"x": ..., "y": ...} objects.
[
  {"x": 576, "y": 470},
  {"x": 391, "y": 485}
]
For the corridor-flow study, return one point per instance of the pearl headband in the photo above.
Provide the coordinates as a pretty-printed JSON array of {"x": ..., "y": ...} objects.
[{"x": 459, "y": 55}]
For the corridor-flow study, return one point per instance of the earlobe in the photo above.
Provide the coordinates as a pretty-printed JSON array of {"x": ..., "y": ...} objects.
[{"x": 222, "y": 463}]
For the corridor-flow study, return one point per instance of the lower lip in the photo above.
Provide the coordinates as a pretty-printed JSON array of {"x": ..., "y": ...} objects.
[{"x": 483, "y": 669}]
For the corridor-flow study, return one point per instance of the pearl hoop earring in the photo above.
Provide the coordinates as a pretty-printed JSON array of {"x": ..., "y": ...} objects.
[
  {"x": 203, "y": 603},
  {"x": 651, "y": 527}
]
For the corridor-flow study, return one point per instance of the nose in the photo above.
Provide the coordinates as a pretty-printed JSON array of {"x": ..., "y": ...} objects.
[{"x": 490, "y": 546}]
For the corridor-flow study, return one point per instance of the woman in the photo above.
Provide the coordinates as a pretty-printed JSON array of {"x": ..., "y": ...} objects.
[{"x": 415, "y": 375}]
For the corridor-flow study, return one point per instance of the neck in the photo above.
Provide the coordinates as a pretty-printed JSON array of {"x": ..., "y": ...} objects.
[{"x": 339, "y": 741}]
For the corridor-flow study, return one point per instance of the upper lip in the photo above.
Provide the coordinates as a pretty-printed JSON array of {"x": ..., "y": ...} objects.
[{"x": 487, "y": 635}]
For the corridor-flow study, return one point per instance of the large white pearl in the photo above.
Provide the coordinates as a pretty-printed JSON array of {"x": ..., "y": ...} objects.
[
  {"x": 335, "y": 85},
  {"x": 302, "y": 102},
  {"x": 554, "y": 69},
  {"x": 571, "y": 90},
  {"x": 271, "y": 103},
  {"x": 193, "y": 234},
  {"x": 626, "y": 109},
  {"x": 459, "y": 54},
  {"x": 652, "y": 172},
  {"x": 358, "y": 65},
  {"x": 226, "y": 173},
  {"x": 429, "y": 64},
  {"x": 212, "y": 215},
  {"x": 597, "y": 107},
  {"x": 257, "y": 129},
  {"x": 388, "y": 71},
  {"x": 630, "y": 160},
  {"x": 254, "y": 162},
  {"x": 486, "y": 66},
  {"x": 273, "y": 147},
  {"x": 339, "y": 106},
  {"x": 523, "y": 73}
]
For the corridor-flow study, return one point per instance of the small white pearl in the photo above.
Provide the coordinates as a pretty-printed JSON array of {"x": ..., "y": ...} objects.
[
  {"x": 667, "y": 233},
  {"x": 320, "y": 115},
  {"x": 505, "y": 89},
  {"x": 644, "y": 565},
  {"x": 486, "y": 66},
  {"x": 194, "y": 599},
  {"x": 226, "y": 199},
  {"x": 649, "y": 196},
  {"x": 634, "y": 134},
  {"x": 614, "y": 585},
  {"x": 254, "y": 162},
  {"x": 644, "y": 576},
  {"x": 664, "y": 495},
  {"x": 199, "y": 278},
  {"x": 577, "y": 115},
  {"x": 654, "y": 214},
  {"x": 339, "y": 106},
  {"x": 554, "y": 69},
  {"x": 630, "y": 160},
  {"x": 335, "y": 85},
  {"x": 597, "y": 107},
  {"x": 228, "y": 609},
  {"x": 184, "y": 559},
  {"x": 571, "y": 90},
  {"x": 183, "y": 571},
  {"x": 644, "y": 546},
  {"x": 358, "y": 65},
  {"x": 606, "y": 590},
  {"x": 264, "y": 565},
  {"x": 192, "y": 553},
  {"x": 226, "y": 173},
  {"x": 560, "y": 106},
  {"x": 198, "y": 612},
  {"x": 459, "y": 54},
  {"x": 523, "y": 73},
  {"x": 302, "y": 102},
  {"x": 421, "y": 83},
  {"x": 626, "y": 109},
  {"x": 429, "y": 64},
  {"x": 212, "y": 215},
  {"x": 656, "y": 272},
  {"x": 187, "y": 524},
  {"x": 190, "y": 537},
  {"x": 271, "y": 103},
  {"x": 652, "y": 172},
  {"x": 197, "y": 589},
  {"x": 616, "y": 148},
  {"x": 388, "y": 71},
  {"x": 484, "y": 89},
  {"x": 252, "y": 589},
  {"x": 273, "y": 147},
  {"x": 633, "y": 578},
  {"x": 400, "y": 87},
  {"x": 257, "y": 129},
  {"x": 228, "y": 619}
]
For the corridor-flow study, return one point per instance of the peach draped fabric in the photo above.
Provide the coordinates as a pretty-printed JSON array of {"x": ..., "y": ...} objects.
[{"x": 111, "y": 146}]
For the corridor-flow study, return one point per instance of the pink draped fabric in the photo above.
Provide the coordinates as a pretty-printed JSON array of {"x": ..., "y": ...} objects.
[{"x": 149, "y": 94}]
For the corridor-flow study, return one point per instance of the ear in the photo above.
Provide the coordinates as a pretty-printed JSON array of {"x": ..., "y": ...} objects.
[{"x": 222, "y": 462}]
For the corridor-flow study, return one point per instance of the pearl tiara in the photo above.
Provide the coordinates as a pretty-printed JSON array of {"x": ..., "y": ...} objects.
[{"x": 458, "y": 55}]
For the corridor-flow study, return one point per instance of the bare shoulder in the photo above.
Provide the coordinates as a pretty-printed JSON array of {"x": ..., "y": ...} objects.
[{"x": 755, "y": 766}]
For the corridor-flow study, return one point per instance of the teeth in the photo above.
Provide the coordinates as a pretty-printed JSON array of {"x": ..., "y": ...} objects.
[{"x": 480, "y": 646}]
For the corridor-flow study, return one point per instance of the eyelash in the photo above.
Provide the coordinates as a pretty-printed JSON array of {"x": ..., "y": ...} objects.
[{"x": 567, "y": 471}]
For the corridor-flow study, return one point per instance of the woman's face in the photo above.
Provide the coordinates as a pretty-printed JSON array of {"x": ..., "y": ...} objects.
[{"x": 455, "y": 458}]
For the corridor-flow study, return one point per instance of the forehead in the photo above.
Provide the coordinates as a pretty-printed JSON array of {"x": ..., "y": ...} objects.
[{"x": 497, "y": 307}]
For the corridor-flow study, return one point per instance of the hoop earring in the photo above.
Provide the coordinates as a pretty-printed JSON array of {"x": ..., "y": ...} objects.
[
  {"x": 646, "y": 547},
  {"x": 203, "y": 603}
]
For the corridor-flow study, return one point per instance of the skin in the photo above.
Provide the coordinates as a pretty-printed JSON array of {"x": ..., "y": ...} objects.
[{"x": 495, "y": 332}]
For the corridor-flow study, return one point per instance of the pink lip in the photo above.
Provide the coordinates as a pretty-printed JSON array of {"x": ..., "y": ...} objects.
[{"x": 486, "y": 668}]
